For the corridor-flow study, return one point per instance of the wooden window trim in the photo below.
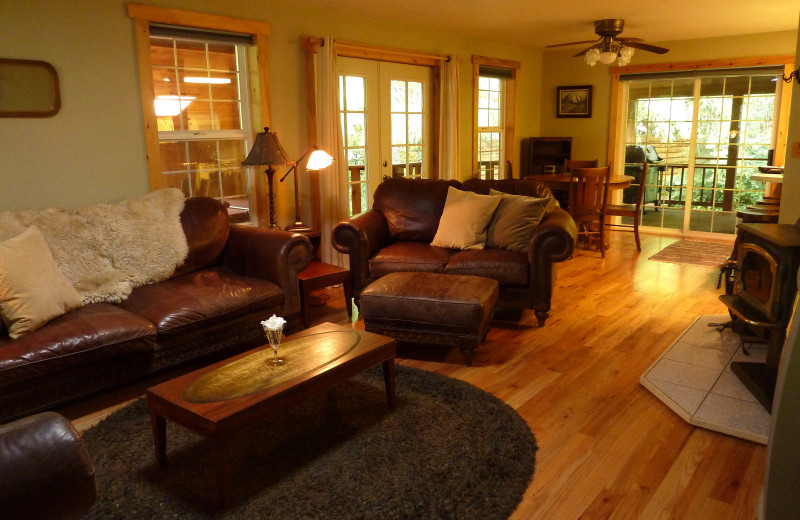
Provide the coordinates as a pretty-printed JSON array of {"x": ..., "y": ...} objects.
[
  {"x": 510, "y": 112},
  {"x": 615, "y": 149},
  {"x": 143, "y": 16}
]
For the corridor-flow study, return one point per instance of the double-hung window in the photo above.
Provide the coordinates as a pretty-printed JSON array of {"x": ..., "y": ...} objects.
[
  {"x": 197, "y": 79},
  {"x": 494, "y": 114},
  {"x": 202, "y": 112}
]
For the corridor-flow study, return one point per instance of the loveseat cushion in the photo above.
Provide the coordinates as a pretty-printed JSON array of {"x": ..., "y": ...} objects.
[
  {"x": 412, "y": 207},
  {"x": 197, "y": 300},
  {"x": 507, "y": 267},
  {"x": 94, "y": 332},
  {"x": 409, "y": 257}
]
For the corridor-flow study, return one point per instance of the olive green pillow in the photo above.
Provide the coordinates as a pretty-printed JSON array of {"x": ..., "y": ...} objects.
[
  {"x": 464, "y": 220},
  {"x": 33, "y": 290},
  {"x": 515, "y": 221}
]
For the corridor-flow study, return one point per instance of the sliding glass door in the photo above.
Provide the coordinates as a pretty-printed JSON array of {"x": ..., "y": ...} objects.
[{"x": 703, "y": 137}]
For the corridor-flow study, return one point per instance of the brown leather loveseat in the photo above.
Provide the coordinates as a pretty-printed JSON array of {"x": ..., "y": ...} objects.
[
  {"x": 396, "y": 234},
  {"x": 233, "y": 277}
]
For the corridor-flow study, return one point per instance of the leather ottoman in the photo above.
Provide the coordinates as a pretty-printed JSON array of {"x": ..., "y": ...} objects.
[{"x": 431, "y": 308}]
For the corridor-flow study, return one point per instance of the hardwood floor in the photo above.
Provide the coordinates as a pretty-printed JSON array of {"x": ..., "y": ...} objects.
[{"x": 607, "y": 447}]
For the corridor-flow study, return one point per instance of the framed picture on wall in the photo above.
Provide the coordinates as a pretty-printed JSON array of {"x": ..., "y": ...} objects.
[{"x": 575, "y": 101}]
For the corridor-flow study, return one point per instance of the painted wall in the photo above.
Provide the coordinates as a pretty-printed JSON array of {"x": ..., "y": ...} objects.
[
  {"x": 94, "y": 151},
  {"x": 590, "y": 136}
]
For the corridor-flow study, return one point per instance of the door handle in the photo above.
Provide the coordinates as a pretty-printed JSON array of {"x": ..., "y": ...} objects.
[{"x": 385, "y": 164}]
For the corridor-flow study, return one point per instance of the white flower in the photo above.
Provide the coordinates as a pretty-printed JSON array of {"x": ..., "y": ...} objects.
[{"x": 274, "y": 323}]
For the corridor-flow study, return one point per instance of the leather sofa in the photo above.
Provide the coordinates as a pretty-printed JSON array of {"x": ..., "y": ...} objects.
[
  {"x": 233, "y": 277},
  {"x": 415, "y": 206},
  {"x": 45, "y": 469}
]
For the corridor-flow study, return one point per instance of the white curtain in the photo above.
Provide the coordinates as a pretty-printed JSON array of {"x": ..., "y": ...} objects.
[
  {"x": 333, "y": 181},
  {"x": 449, "y": 145}
]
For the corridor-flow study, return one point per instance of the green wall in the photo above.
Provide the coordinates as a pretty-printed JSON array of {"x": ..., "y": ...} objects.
[{"x": 93, "y": 150}]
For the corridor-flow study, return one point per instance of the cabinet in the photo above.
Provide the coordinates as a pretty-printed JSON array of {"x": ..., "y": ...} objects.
[{"x": 537, "y": 153}]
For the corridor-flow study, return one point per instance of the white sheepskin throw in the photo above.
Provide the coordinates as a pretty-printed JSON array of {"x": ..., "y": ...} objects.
[{"x": 106, "y": 250}]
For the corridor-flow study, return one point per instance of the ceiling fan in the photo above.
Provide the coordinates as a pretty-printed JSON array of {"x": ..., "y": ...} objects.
[{"x": 609, "y": 46}]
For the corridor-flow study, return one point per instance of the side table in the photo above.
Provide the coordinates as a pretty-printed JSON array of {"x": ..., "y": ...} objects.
[{"x": 319, "y": 275}]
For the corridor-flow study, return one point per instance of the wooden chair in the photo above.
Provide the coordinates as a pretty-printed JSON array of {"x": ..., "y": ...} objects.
[
  {"x": 587, "y": 203},
  {"x": 633, "y": 211},
  {"x": 569, "y": 164}
]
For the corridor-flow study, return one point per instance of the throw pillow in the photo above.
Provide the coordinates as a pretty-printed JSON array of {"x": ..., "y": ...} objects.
[
  {"x": 464, "y": 220},
  {"x": 515, "y": 221},
  {"x": 33, "y": 290}
]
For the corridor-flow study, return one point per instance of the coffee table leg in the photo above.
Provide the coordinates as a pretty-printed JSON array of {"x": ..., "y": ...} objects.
[
  {"x": 347, "y": 285},
  {"x": 159, "y": 438},
  {"x": 223, "y": 470},
  {"x": 388, "y": 379}
]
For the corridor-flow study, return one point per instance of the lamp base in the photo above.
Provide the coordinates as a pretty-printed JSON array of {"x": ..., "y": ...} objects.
[{"x": 298, "y": 227}]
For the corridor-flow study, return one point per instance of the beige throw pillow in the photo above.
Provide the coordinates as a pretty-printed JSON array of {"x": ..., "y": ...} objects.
[
  {"x": 33, "y": 290},
  {"x": 515, "y": 221},
  {"x": 464, "y": 220}
]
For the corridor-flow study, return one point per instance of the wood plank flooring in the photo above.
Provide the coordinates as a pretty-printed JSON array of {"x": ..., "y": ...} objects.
[{"x": 608, "y": 449}]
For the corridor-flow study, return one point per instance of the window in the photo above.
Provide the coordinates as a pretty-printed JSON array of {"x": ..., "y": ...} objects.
[
  {"x": 705, "y": 134},
  {"x": 198, "y": 112},
  {"x": 494, "y": 116}
]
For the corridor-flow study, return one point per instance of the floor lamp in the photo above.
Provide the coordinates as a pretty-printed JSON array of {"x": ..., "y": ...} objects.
[
  {"x": 267, "y": 151},
  {"x": 316, "y": 161}
]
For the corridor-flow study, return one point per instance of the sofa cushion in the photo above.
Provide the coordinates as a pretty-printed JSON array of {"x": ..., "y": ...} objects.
[
  {"x": 507, "y": 267},
  {"x": 199, "y": 299},
  {"x": 464, "y": 220},
  {"x": 515, "y": 221},
  {"x": 95, "y": 332},
  {"x": 409, "y": 257},
  {"x": 33, "y": 290},
  {"x": 412, "y": 207}
]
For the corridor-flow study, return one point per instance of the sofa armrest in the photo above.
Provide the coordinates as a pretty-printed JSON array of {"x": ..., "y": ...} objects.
[
  {"x": 361, "y": 237},
  {"x": 270, "y": 254},
  {"x": 554, "y": 238},
  {"x": 45, "y": 470}
]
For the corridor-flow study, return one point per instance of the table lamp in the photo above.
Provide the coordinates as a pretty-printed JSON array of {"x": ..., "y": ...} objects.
[{"x": 267, "y": 151}]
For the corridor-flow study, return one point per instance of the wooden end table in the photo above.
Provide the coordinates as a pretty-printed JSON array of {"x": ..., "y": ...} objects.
[
  {"x": 221, "y": 400},
  {"x": 319, "y": 275}
]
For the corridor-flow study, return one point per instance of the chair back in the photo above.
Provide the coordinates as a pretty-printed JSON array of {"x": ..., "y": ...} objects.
[
  {"x": 588, "y": 191},
  {"x": 569, "y": 164}
]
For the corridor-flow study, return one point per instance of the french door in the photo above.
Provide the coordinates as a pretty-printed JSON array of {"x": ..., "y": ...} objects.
[
  {"x": 386, "y": 124},
  {"x": 703, "y": 136}
]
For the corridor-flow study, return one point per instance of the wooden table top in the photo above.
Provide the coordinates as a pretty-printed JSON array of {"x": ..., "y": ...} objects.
[
  {"x": 235, "y": 392},
  {"x": 615, "y": 182}
]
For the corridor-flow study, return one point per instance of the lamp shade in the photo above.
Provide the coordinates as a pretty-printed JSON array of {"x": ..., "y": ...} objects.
[
  {"x": 607, "y": 57},
  {"x": 267, "y": 150},
  {"x": 318, "y": 160}
]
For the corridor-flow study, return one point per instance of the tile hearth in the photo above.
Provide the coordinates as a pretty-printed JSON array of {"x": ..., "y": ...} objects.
[{"x": 694, "y": 379}]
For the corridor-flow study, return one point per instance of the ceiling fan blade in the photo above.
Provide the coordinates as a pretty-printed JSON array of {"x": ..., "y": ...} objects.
[
  {"x": 570, "y": 43},
  {"x": 629, "y": 39},
  {"x": 647, "y": 47},
  {"x": 584, "y": 51}
]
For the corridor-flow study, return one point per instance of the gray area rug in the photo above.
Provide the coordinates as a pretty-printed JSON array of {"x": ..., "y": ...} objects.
[
  {"x": 449, "y": 450},
  {"x": 692, "y": 252}
]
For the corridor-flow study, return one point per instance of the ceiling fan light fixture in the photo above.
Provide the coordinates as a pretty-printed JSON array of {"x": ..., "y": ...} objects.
[
  {"x": 607, "y": 57},
  {"x": 591, "y": 57}
]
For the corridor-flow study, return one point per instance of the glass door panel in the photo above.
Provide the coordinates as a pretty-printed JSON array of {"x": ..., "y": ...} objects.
[{"x": 705, "y": 136}]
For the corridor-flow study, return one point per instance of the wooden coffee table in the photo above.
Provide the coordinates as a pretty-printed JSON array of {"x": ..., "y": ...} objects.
[{"x": 221, "y": 400}]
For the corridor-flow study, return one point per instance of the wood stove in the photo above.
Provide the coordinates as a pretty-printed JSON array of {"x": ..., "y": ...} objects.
[{"x": 765, "y": 283}]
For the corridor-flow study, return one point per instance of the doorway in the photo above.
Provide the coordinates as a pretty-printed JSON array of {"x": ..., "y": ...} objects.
[{"x": 386, "y": 124}]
